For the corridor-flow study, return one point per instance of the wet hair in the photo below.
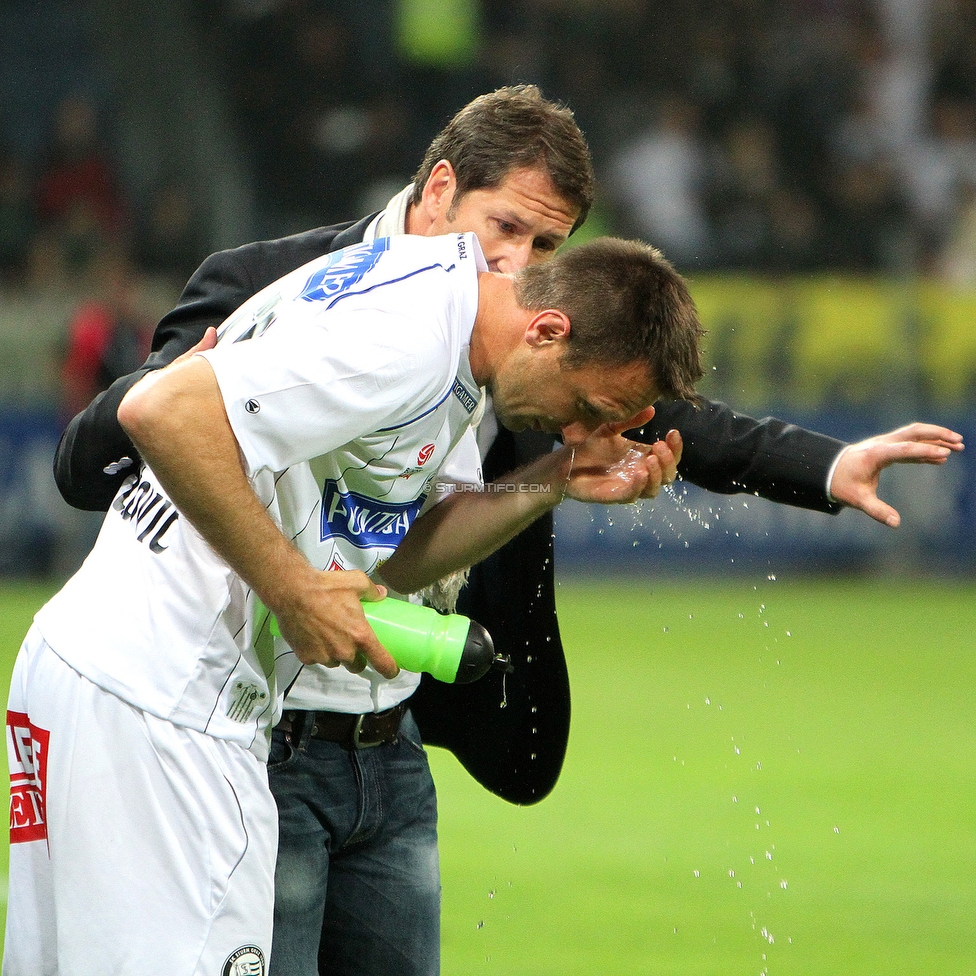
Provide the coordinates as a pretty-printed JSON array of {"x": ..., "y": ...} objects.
[
  {"x": 626, "y": 303},
  {"x": 513, "y": 128}
]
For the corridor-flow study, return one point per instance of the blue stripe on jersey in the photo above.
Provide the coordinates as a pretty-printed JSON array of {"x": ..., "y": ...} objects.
[
  {"x": 407, "y": 423},
  {"x": 392, "y": 281}
]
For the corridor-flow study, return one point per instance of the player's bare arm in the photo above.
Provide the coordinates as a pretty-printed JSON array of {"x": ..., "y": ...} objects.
[
  {"x": 604, "y": 468},
  {"x": 856, "y": 474},
  {"x": 176, "y": 419}
]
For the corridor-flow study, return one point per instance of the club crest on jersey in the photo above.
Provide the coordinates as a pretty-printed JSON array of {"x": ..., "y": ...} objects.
[
  {"x": 343, "y": 269},
  {"x": 365, "y": 522},
  {"x": 246, "y": 961}
]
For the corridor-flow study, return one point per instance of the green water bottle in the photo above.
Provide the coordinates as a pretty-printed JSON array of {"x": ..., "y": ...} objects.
[{"x": 450, "y": 646}]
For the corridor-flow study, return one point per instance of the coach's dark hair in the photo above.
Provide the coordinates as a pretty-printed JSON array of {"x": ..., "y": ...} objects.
[
  {"x": 513, "y": 127},
  {"x": 625, "y": 303}
]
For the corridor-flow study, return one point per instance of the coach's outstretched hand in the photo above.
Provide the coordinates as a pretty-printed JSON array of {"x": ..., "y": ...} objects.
[{"x": 855, "y": 478}]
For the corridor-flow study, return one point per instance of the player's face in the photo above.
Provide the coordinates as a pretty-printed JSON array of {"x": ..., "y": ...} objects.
[
  {"x": 521, "y": 222},
  {"x": 534, "y": 391}
]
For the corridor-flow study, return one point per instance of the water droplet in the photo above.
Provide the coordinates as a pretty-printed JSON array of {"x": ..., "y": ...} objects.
[
  {"x": 491, "y": 894},
  {"x": 783, "y": 883},
  {"x": 698, "y": 874},
  {"x": 481, "y": 925},
  {"x": 771, "y": 577}
]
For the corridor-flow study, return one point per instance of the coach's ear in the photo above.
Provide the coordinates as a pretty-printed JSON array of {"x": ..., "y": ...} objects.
[
  {"x": 438, "y": 193},
  {"x": 548, "y": 326}
]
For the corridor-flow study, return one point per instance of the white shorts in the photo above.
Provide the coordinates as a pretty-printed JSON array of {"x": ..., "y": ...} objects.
[{"x": 136, "y": 846}]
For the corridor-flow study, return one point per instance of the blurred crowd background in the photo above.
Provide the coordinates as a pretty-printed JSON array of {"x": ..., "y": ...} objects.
[{"x": 810, "y": 165}]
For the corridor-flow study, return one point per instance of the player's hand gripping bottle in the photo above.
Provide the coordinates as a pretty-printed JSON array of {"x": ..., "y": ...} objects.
[{"x": 451, "y": 647}]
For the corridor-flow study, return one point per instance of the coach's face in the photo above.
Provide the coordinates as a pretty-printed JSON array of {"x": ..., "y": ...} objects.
[{"x": 521, "y": 222}]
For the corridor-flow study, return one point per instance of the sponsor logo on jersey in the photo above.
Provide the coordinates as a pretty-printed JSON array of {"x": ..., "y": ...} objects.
[
  {"x": 422, "y": 458},
  {"x": 246, "y": 961},
  {"x": 365, "y": 522},
  {"x": 343, "y": 269},
  {"x": 27, "y": 755},
  {"x": 468, "y": 400},
  {"x": 150, "y": 511},
  {"x": 252, "y": 406}
]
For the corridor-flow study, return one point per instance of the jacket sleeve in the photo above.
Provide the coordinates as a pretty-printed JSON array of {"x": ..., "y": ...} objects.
[
  {"x": 86, "y": 466},
  {"x": 729, "y": 453}
]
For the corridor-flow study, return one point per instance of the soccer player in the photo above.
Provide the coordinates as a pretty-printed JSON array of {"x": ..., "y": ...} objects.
[{"x": 284, "y": 468}]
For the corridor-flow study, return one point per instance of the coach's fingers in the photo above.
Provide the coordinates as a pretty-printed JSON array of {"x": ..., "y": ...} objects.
[
  {"x": 879, "y": 510},
  {"x": 208, "y": 341}
]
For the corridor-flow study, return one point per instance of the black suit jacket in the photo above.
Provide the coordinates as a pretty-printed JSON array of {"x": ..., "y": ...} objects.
[{"x": 509, "y": 731}]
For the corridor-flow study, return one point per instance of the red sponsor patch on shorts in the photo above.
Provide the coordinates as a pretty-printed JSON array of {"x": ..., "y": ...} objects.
[{"x": 27, "y": 753}]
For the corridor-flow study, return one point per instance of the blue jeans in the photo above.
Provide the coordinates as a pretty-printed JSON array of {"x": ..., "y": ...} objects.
[{"x": 357, "y": 883}]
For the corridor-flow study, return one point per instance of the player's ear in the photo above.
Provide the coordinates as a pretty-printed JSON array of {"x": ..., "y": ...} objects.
[
  {"x": 550, "y": 325},
  {"x": 438, "y": 193}
]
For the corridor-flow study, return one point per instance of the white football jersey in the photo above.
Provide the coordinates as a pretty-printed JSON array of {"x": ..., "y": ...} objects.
[{"x": 347, "y": 385}]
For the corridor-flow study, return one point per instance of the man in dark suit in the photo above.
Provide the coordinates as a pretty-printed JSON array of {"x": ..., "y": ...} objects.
[{"x": 515, "y": 169}]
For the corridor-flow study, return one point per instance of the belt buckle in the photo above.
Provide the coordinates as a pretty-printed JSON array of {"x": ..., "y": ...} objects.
[{"x": 357, "y": 731}]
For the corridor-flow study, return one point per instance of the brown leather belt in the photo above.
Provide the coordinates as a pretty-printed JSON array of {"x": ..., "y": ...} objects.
[{"x": 350, "y": 731}]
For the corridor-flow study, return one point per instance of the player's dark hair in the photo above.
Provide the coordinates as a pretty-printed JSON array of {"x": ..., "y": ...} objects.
[
  {"x": 626, "y": 303},
  {"x": 513, "y": 127}
]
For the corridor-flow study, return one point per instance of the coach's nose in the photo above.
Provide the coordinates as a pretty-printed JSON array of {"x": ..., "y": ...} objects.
[{"x": 514, "y": 257}]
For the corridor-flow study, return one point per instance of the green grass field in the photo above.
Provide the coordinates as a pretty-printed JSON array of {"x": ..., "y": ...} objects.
[{"x": 763, "y": 778}]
